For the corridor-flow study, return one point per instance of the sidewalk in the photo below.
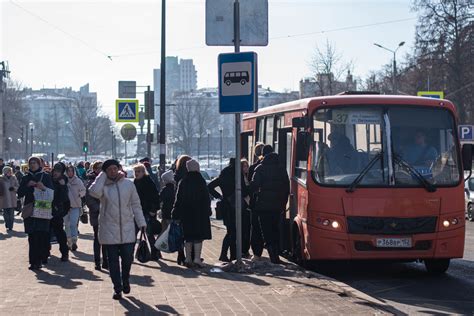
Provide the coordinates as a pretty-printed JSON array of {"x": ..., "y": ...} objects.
[{"x": 162, "y": 288}]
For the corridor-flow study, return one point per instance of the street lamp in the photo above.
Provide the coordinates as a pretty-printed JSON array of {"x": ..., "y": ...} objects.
[
  {"x": 220, "y": 145},
  {"x": 32, "y": 127},
  {"x": 394, "y": 71},
  {"x": 208, "y": 147}
]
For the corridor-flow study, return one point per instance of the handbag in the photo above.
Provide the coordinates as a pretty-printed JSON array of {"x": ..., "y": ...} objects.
[
  {"x": 27, "y": 210},
  {"x": 154, "y": 226},
  {"x": 143, "y": 253},
  {"x": 43, "y": 205},
  {"x": 175, "y": 237},
  {"x": 84, "y": 218}
]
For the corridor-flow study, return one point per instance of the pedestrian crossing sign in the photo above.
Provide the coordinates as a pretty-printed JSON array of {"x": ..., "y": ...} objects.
[{"x": 126, "y": 110}]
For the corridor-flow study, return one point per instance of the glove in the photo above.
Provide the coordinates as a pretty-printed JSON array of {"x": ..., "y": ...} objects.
[{"x": 11, "y": 189}]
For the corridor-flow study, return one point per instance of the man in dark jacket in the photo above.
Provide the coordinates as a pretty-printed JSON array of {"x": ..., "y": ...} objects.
[
  {"x": 93, "y": 205},
  {"x": 226, "y": 182},
  {"x": 61, "y": 206},
  {"x": 256, "y": 239},
  {"x": 147, "y": 163},
  {"x": 271, "y": 184}
]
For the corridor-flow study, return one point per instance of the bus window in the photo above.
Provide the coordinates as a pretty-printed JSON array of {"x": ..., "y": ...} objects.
[
  {"x": 269, "y": 131},
  {"x": 301, "y": 172}
]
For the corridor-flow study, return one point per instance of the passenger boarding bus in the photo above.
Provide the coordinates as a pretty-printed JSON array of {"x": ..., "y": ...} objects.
[{"x": 372, "y": 176}]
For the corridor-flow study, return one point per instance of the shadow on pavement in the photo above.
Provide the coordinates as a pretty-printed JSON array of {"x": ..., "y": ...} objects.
[
  {"x": 64, "y": 274},
  {"x": 82, "y": 256},
  {"x": 194, "y": 273},
  {"x": 409, "y": 283},
  {"x": 136, "y": 307}
]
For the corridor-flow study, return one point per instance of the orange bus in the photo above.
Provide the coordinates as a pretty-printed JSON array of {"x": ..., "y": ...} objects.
[{"x": 372, "y": 177}]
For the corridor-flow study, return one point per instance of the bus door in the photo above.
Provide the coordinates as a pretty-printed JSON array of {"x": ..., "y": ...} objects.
[{"x": 284, "y": 150}]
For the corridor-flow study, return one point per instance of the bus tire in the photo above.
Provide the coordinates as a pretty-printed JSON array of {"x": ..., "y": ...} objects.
[
  {"x": 437, "y": 266},
  {"x": 243, "y": 82},
  {"x": 470, "y": 213},
  {"x": 227, "y": 82},
  {"x": 297, "y": 251}
]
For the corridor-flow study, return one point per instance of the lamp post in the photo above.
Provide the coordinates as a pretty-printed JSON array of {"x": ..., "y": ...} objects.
[
  {"x": 220, "y": 145},
  {"x": 208, "y": 148},
  {"x": 394, "y": 71},
  {"x": 32, "y": 127}
]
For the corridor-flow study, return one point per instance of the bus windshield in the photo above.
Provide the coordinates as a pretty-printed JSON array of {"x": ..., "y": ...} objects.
[{"x": 387, "y": 144}]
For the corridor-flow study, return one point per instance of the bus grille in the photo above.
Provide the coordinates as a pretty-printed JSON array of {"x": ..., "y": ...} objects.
[{"x": 391, "y": 225}]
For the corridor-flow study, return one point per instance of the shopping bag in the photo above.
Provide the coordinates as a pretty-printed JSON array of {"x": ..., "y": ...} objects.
[
  {"x": 162, "y": 241},
  {"x": 43, "y": 206},
  {"x": 143, "y": 253},
  {"x": 175, "y": 237}
]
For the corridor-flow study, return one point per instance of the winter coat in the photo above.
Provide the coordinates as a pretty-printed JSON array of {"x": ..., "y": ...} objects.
[
  {"x": 92, "y": 203},
  {"x": 33, "y": 224},
  {"x": 61, "y": 202},
  {"x": 81, "y": 172},
  {"x": 167, "y": 196},
  {"x": 271, "y": 184},
  {"x": 153, "y": 176},
  {"x": 8, "y": 198},
  {"x": 119, "y": 207},
  {"x": 252, "y": 168},
  {"x": 149, "y": 196},
  {"x": 193, "y": 207},
  {"x": 77, "y": 191}
]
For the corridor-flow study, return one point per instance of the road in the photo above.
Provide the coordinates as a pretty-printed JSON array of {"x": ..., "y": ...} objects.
[{"x": 408, "y": 288}]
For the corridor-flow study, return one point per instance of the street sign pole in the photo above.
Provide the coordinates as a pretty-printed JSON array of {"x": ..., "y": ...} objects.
[
  {"x": 238, "y": 189},
  {"x": 148, "y": 110},
  {"x": 162, "y": 89}
]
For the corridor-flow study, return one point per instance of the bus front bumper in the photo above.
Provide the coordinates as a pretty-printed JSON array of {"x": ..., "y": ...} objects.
[{"x": 323, "y": 244}]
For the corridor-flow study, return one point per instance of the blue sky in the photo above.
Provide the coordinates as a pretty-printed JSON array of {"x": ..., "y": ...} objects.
[{"x": 65, "y": 43}]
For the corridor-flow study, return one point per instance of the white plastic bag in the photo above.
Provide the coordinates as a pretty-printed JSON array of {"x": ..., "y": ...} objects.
[
  {"x": 162, "y": 241},
  {"x": 43, "y": 207}
]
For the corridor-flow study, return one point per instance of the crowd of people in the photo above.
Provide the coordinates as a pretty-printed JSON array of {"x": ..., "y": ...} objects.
[{"x": 52, "y": 202}]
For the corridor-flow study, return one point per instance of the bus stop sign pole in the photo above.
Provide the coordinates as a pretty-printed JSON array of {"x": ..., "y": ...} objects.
[{"x": 238, "y": 184}]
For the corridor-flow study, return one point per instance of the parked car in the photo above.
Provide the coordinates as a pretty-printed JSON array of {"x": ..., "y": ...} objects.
[{"x": 469, "y": 193}]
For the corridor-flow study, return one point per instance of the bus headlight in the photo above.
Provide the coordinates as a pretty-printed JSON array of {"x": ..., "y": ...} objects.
[
  {"x": 454, "y": 221},
  {"x": 446, "y": 223},
  {"x": 326, "y": 222},
  {"x": 335, "y": 225}
]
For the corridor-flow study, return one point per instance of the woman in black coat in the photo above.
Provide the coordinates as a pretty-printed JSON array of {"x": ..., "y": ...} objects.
[
  {"x": 193, "y": 208},
  {"x": 150, "y": 201},
  {"x": 36, "y": 228}
]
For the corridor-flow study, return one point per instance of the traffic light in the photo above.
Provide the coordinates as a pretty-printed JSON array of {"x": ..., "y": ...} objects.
[{"x": 85, "y": 147}]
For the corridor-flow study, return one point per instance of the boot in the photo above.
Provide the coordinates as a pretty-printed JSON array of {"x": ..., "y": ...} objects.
[
  {"x": 188, "y": 247},
  {"x": 197, "y": 254},
  {"x": 73, "y": 246},
  {"x": 274, "y": 257}
]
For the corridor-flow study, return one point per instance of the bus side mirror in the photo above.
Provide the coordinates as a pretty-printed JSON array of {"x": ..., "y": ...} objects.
[
  {"x": 299, "y": 122},
  {"x": 467, "y": 156},
  {"x": 302, "y": 146}
]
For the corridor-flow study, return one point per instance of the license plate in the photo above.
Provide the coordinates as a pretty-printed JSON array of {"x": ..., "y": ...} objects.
[{"x": 393, "y": 242}]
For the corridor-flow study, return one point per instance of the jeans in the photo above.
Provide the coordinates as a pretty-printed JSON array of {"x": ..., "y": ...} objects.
[
  {"x": 71, "y": 220},
  {"x": 38, "y": 247},
  {"x": 9, "y": 217},
  {"x": 120, "y": 273},
  {"x": 98, "y": 247},
  {"x": 57, "y": 227}
]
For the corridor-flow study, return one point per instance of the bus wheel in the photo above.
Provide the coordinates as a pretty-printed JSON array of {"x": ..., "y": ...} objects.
[
  {"x": 470, "y": 213},
  {"x": 437, "y": 266},
  {"x": 297, "y": 250},
  {"x": 227, "y": 82},
  {"x": 243, "y": 82}
]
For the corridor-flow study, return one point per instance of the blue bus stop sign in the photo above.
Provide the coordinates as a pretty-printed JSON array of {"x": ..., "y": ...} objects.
[{"x": 238, "y": 82}]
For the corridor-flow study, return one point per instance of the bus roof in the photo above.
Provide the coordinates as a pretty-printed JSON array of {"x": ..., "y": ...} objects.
[{"x": 311, "y": 103}]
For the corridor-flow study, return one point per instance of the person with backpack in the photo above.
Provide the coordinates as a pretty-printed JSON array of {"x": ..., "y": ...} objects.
[{"x": 271, "y": 185}]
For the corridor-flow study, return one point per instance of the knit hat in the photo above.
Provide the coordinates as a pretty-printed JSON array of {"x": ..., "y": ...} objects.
[
  {"x": 6, "y": 169},
  {"x": 168, "y": 177},
  {"x": 38, "y": 161},
  {"x": 267, "y": 149},
  {"x": 192, "y": 165},
  {"x": 110, "y": 162}
]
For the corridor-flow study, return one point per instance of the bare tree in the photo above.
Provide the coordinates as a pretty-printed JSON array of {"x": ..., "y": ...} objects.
[
  {"x": 328, "y": 67},
  {"x": 444, "y": 44}
]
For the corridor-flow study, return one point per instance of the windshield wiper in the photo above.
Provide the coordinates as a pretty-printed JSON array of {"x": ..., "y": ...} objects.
[
  {"x": 428, "y": 186},
  {"x": 364, "y": 171}
]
